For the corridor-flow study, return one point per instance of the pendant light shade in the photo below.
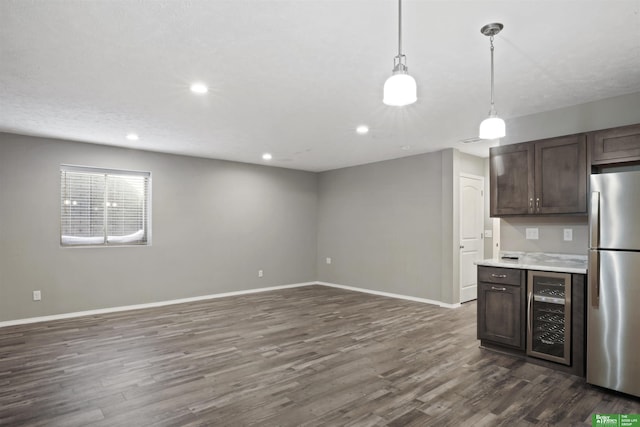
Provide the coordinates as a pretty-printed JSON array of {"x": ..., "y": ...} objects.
[
  {"x": 400, "y": 89},
  {"x": 492, "y": 127}
]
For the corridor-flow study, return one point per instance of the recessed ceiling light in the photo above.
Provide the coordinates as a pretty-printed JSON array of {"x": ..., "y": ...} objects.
[
  {"x": 199, "y": 88},
  {"x": 405, "y": 147},
  {"x": 133, "y": 136},
  {"x": 362, "y": 129},
  {"x": 267, "y": 156}
]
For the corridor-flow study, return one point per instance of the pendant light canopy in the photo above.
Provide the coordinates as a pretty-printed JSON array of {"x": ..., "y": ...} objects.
[
  {"x": 492, "y": 127},
  {"x": 400, "y": 89}
]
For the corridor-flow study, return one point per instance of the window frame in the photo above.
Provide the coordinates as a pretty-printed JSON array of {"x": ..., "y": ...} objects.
[{"x": 107, "y": 172}]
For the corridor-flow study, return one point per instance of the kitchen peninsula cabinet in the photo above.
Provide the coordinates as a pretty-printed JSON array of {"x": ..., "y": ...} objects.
[
  {"x": 540, "y": 177},
  {"x": 615, "y": 146}
]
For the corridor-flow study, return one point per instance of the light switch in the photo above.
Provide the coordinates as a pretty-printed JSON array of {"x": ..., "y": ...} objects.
[
  {"x": 488, "y": 233},
  {"x": 532, "y": 233}
]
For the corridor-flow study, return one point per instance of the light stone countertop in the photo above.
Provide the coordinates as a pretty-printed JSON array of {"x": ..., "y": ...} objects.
[{"x": 562, "y": 263}]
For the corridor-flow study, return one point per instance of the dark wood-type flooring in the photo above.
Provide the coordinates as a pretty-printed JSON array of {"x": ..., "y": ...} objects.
[{"x": 311, "y": 356}]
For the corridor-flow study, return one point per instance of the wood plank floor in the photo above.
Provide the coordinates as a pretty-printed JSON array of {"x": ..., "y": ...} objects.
[{"x": 311, "y": 356}]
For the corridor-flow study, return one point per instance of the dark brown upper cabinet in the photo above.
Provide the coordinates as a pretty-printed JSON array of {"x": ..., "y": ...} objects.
[
  {"x": 615, "y": 146},
  {"x": 561, "y": 175},
  {"x": 511, "y": 177},
  {"x": 540, "y": 177}
]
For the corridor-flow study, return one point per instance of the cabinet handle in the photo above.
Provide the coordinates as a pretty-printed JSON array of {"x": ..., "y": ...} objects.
[
  {"x": 550, "y": 284},
  {"x": 538, "y": 204},
  {"x": 499, "y": 276},
  {"x": 493, "y": 288},
  {"x": 531, "y": 204}
]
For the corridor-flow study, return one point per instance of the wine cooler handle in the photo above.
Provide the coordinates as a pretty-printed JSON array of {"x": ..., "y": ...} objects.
[
  {"x": 594, "y": 278},
  {"x": 530, "y": 308}
]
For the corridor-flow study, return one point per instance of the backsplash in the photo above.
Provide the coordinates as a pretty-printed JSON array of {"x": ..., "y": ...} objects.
[{"x": 550, "y": 235}]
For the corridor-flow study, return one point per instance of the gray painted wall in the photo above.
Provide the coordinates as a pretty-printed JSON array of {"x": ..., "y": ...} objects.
[
  {"x": 215, "y": 223},
  {"x": 381, "y": 224},
  {"x": 471, "y": 164},
  {"x": 393, "y": 226},
  {"x": 449, "y": 226},
  {"x": 389, "y": 226}
]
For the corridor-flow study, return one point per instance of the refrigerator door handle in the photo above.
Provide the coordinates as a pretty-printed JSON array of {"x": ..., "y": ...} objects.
[
  {"x": 594, "y": 278},
  {"x": 594, "y": 219}
]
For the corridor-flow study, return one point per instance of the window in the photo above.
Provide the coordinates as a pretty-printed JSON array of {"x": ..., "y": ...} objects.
[{"x": 104, "y": 207}]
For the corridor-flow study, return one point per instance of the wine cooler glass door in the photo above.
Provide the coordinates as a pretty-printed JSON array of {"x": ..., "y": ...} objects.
[{"x": 549, "y": 316}]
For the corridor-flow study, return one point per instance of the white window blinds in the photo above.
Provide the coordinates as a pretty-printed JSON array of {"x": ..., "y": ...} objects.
[{"x": 104, "y": 207}]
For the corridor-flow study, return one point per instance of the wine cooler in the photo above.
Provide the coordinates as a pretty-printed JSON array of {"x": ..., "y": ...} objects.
[{"x": 549, "y": 316}]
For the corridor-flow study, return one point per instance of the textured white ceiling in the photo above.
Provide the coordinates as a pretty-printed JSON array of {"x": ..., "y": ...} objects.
[{"x": 295, "y": 78}]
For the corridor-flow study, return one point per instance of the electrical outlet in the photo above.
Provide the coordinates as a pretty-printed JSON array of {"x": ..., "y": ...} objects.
[
  {"x": 532, "y": 233},
  {"x": 37, "y": 295},
  {"x": 568, "y": 234},
  {"x": 328, "y": 260},
  {"x": 260, "y": 273}
]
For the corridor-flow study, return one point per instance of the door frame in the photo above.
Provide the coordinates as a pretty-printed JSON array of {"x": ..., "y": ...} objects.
[{"x": 460, "y": 208}]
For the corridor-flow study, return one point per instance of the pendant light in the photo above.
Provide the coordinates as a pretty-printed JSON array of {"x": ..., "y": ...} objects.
[
  {"x": 492, "y": 127},
  {"x": 400, "y": 89}
]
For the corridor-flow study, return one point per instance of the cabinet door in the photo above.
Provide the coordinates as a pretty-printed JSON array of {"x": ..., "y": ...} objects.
[
  {"x": 616, "y": 145},
  {"x": 561, "y": 175},
  {"x": 511, "y": 180},
  {"x": 500, "y": 312}
]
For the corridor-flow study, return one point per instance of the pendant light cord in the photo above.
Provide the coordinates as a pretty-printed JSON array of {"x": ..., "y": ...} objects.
[
  {"x": 399, "y": 27},
  {"x": 493, "y": 110}
]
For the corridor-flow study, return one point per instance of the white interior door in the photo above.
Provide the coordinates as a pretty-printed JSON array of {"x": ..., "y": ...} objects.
[{"x": 471, "y": 233}]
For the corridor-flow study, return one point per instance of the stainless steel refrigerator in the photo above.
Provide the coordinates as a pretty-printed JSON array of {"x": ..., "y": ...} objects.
[{"x": 613, "y": 314}]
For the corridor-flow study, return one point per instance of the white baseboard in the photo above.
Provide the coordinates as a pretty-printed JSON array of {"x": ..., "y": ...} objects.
[
  {"x": 391, "y": 295},
  {"x": 146, "y": 305},
  {"x": 213, "y": 296}
]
